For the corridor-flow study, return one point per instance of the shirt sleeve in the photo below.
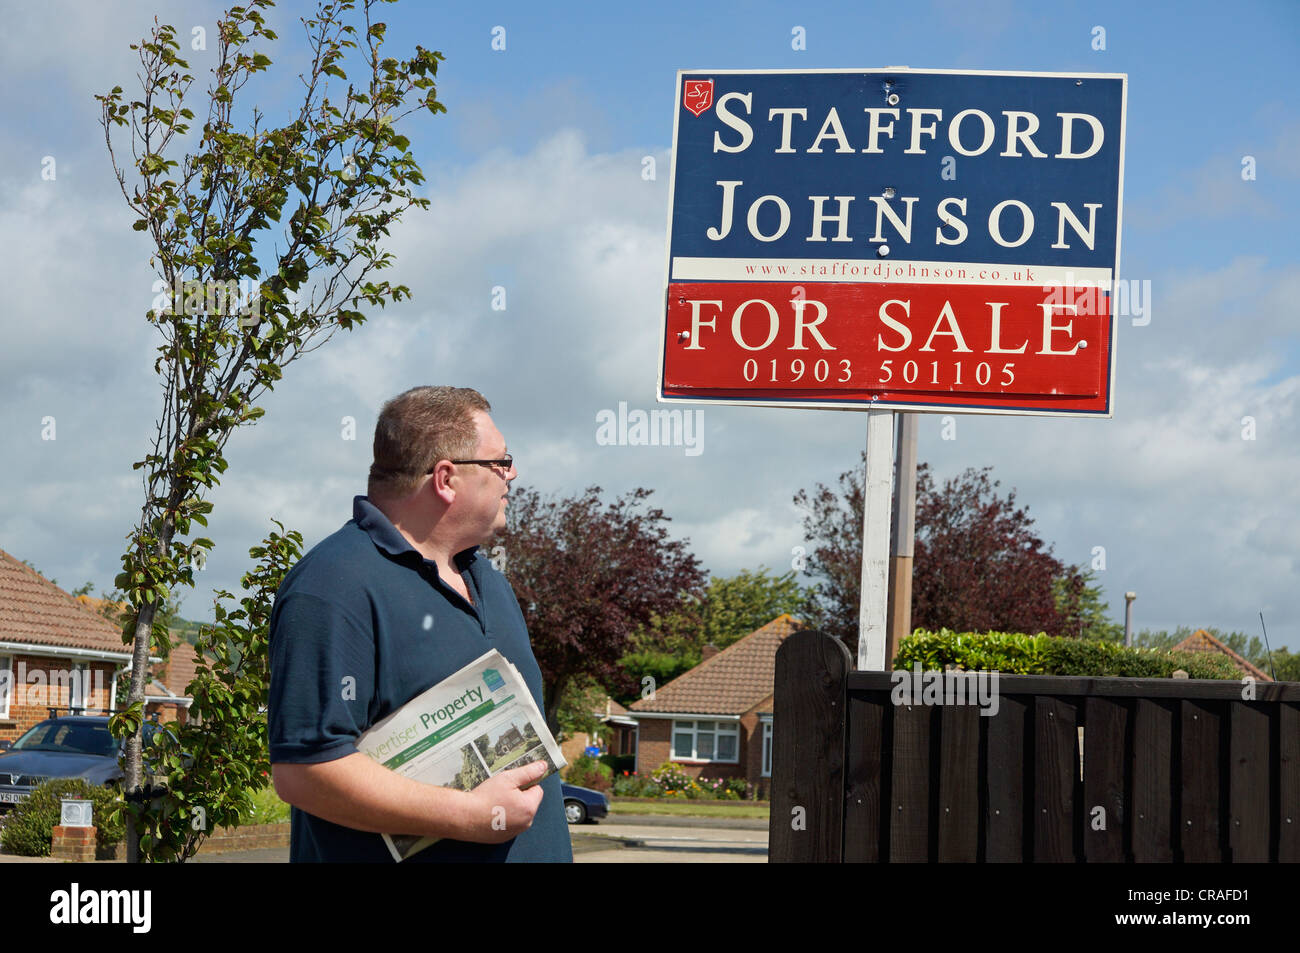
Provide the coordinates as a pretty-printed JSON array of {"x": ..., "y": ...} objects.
[{"x": 322, "y": 680}]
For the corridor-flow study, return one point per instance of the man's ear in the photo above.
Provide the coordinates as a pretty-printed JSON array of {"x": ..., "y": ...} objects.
[{"x": 441, "y": 481}]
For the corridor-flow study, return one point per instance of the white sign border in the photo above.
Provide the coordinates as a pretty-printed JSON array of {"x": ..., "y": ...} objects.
[{"x": 859, "y": 405}]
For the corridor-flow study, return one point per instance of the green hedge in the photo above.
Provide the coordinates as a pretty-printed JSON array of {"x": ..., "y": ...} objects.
[
  {"x": 618, "y": 763},
  {"x": 587, "y": 772},
  {"x": 31, "y": 824},
  {"x": 1017, "y": 654}
]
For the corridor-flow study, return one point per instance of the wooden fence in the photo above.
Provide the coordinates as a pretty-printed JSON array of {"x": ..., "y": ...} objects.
[{"x": 1055, "y": 769}]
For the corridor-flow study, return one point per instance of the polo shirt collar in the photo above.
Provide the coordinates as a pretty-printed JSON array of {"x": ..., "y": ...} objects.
[{"x": 385, "y": 536}]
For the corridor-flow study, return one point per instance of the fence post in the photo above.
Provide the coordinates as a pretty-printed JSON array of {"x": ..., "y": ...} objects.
[{"x": 808, "y": 746}]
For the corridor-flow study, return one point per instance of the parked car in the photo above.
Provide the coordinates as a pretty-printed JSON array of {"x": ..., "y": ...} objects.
[
  {"x": 581, "y": 804},
  {"x": 66, "y": 746}
]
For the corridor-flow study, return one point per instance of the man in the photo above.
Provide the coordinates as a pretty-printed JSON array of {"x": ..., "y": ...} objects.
[{"x": 392, "y": 603}]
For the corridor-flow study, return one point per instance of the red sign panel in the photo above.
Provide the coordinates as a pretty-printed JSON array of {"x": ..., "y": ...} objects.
[
  {"x": 986, "y": 347},
  {"x": 918, "y": 239}
]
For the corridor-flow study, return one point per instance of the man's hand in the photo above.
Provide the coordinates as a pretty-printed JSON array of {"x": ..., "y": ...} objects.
[
  {"x": 503, "y": 806},
  {"x": 356, "y": 792}
]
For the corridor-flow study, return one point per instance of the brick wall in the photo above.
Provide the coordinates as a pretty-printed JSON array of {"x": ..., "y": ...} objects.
[
  {"x": 656, "y": 748},
  {"x": 754, "y": 748},
  {"x": 249, "y": 837},
  {"x": 38, "y": 682},
  {"x": 572, "y": 747}
]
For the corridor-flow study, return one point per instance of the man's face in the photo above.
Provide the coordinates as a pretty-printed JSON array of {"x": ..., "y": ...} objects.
[{"x": 484, "y": 487}]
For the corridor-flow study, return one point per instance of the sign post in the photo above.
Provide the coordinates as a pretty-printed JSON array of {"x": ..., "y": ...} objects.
[
  {"x": 904, "y": 535},
  {"x": 898, "y": 239},
  {"x": 877, "y": 501}
]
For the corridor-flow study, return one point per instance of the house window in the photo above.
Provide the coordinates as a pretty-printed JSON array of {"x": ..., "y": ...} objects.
[
  {"x": 705, "y": 741},
  {"x": 78, "y": 687},
  {"x": 767, "y": 749},
  {"x": 6, "y": 684}
]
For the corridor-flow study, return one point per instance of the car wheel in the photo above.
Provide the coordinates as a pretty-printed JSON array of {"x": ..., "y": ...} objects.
[{"x": 575, "y": 812}]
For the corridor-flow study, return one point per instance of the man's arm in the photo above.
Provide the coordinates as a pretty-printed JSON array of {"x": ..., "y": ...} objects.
[{"x": 356, "y": 792}]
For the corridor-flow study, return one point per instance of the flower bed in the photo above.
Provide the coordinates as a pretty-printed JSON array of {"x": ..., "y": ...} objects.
[{"x": 670, "y": 781}]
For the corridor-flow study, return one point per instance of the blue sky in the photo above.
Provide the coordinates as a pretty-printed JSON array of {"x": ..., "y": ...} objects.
[{"x": 535, "y": 178}]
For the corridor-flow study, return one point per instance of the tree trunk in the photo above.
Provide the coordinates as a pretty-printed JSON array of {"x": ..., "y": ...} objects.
[
  {"x": 139, "y": 679},
  {"x": 551, "y": 694},
  {"x": 140, "y": 675}
]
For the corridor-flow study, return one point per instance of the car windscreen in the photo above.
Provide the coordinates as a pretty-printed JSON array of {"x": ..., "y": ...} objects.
[{"x": 68, "y": 737}]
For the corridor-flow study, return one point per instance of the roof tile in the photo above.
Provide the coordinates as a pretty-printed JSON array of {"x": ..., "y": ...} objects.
[
  {"x": 1202, "y": 641},
  {"x": 36, "y": 611},
  {"x": 731, "y": 682}
]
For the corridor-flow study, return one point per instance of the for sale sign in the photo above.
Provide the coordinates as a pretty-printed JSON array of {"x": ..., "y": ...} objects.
[{"x": 914, "y": 239}]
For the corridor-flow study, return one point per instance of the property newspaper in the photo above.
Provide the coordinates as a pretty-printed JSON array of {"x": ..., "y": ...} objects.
[{"x": 462, "y": 731}]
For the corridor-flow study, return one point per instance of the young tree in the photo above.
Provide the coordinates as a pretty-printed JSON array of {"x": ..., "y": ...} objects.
[
  {"x": 214, "y": 762},
  {"x": 1083, "y": 608},
  {"x": 575, "y": 713},
  {"x": 328, "y": 183},
  {"x": 735, "y": 606},
  {"x": 732, "y": 607},
  {"x": 587, "y": 575},
  {"x": 977, "y": 564}
]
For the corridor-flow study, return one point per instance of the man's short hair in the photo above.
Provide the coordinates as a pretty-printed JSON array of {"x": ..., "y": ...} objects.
[{"x": 418, "y": 428}]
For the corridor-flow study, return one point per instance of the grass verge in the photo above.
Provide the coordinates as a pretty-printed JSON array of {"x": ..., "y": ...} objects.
[
  {"x": 689, "y": 808},
  {"x": 268, "y": 808}
]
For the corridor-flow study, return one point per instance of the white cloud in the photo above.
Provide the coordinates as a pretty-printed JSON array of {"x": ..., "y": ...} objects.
[{"x": 1199, "y": 521}]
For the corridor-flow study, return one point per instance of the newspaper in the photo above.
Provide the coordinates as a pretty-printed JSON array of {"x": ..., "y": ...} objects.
[{"x": 462, "y": 731}]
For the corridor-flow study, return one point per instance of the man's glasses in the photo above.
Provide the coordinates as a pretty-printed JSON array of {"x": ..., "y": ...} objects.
[{"x": 505, "y": 463}]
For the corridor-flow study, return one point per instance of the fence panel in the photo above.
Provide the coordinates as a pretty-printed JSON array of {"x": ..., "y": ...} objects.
[
  {"x": 1182, "y": 770},
  {"x": 959, "y": 770},
  {"x": 807, "y": 813},
  {"x": 1106, "y": 760},
  {"x": 911, "y": 784},
  {"x": 1004, "y": 820},
  {"x": 866, "y": 784},
  {"x": 1199, "y": 827},
  {"x": 1153, "y": 813}
]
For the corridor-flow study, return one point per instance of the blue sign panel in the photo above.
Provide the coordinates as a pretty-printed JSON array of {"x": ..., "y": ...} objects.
[{"x": 969, "y": 168}]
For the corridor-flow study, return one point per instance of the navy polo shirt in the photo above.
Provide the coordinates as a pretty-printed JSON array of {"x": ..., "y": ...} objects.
[{"x": 361, "y": 625}]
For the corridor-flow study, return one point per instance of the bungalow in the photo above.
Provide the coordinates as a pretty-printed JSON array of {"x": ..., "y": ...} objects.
[
  {"x": 615, "y": 735},
  {"x": 53, "y": 651},
  {"x": 1202, "y": 641},
  {"x": 715, "y": 720},
  {"x": 56, "y": 652}
]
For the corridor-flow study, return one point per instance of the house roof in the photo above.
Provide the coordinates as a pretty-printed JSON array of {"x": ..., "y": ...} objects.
[
  {"x": 731, "y": 682},
  {"x": 178, "y": 671},
  {"x": 99, "y": 605},
  {"x": 35, "y": 611},
  {"x": 1202, "y": 641},
  {"x": 612, "y": 708}
]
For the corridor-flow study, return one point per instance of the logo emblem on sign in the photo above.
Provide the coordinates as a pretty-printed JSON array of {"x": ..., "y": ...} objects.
[{"x": 697, "y": 95}]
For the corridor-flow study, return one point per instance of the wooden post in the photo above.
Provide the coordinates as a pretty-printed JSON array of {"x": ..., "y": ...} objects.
[
  {"x": 876, "y": 504},
  {"x": 806, "y": 822},
  {"x": 904, "y": 534}
]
